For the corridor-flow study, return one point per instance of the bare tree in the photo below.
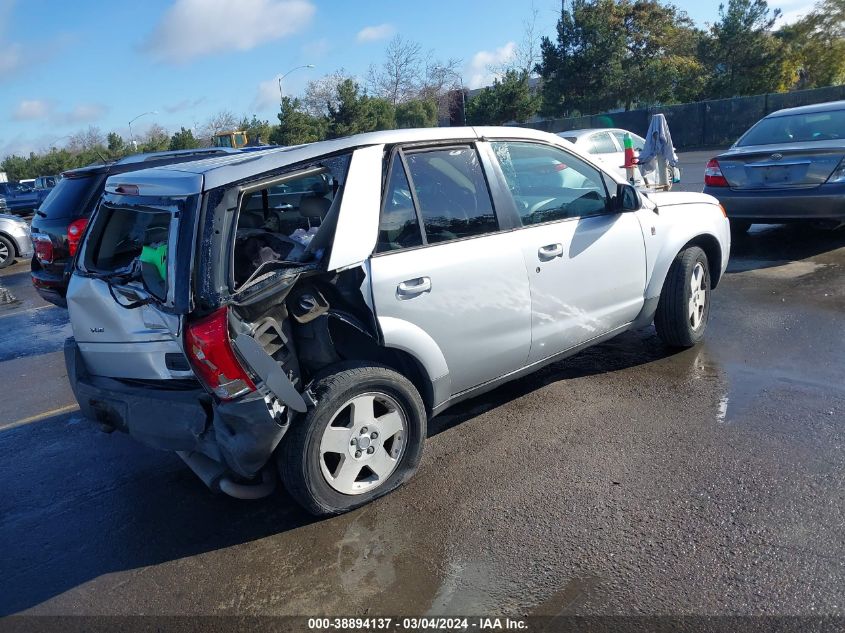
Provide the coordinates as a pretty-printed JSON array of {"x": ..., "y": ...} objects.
[
  {"x": 398, "y": 76},
  {"x": 439, "y": 81},
  {"x": 220, "y": 122},
  {"x": 86, "y": 139},
  {"x": 321, "y": 94},
  {"x": 527, "y": 54}
]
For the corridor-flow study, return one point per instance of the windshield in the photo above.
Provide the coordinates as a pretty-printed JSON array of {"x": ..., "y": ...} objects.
[
  {"x": 67, "y": 198},
  {"x": 796, "y": 128},
  {"x": 131, "y": 238}
]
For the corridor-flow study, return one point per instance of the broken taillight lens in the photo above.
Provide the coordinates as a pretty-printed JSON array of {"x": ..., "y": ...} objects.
[
  {"x": 74, "y": 234},
  {"x": 43, "y": 248},
  {"x": 210, "y": 351}
]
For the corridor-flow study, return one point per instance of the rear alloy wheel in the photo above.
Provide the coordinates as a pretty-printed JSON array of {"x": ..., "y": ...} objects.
[
  {"x": 684, "y": 306},
  {"x": 7, "y": 252},
  {"x": 362, "y": 440}
]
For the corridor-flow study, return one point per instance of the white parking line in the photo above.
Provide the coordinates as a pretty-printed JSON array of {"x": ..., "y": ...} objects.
[
  {"x": 27, "y": 311},
  {"x": 40, "y": 416}
]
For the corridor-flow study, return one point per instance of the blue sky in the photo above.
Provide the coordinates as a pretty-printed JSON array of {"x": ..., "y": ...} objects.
[{"x": 67, "y": 65}]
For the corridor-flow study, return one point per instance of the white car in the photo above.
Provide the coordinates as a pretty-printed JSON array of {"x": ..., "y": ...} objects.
[
  {"x": 313, "y": 306},
  {"x": 606, "y": 146}
]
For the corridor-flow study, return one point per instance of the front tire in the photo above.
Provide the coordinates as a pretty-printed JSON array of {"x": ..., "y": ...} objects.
[
  {"x": 363, "y": 439},
  {"x": 7, "y": 252},
  {"x": 684, "y": 306}
]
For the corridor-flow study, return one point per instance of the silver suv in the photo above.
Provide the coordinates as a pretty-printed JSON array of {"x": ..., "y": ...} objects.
[{"x": 314, "y": 306}]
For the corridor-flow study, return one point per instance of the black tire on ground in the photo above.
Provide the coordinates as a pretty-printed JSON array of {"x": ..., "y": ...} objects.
[
  {"x": 298, "y": 457},
  {"x": 9, "y": 249},
  {"x": 739, "y": 227},
  {"x": 673, "y": 320}
]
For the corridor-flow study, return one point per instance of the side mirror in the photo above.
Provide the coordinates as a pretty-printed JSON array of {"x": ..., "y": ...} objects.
[{"x": 628, "y": 198}]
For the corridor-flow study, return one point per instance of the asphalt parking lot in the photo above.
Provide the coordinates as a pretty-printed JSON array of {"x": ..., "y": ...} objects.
[{"x": 625, "y": 480}]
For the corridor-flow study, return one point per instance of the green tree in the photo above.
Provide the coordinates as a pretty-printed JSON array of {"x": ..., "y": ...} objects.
[
  {"x": 417, "y": 113},
  {"x": 816, "y": 47},
  {"x": 508, "y": 99},
  {"x": 115, "y": 144},
  {"x": 355, "y": 112},
  {"x": 296, "y": 126},
  {"x": 183, "y": 139},
  {"x": 256, "y": 129},
  {"x": 582, "y": 69},
  {"x": 742, "y": 52},
  {"x": 156, "y": 140}
]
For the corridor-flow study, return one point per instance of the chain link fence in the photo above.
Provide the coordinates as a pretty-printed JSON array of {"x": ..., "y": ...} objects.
[{"x": 703, "y": 124}]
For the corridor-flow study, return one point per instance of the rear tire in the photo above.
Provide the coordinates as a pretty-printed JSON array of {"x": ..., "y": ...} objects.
[
  {"x": 7, "y": 252},
  {"x": 684, "y": 305},
  {"x": 363, "y": 439}
]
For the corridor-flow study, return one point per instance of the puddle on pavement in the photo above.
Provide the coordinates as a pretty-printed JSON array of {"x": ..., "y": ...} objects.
[
  {"x": 566, "y": 601},
  {"x": 46, "y": 331}
]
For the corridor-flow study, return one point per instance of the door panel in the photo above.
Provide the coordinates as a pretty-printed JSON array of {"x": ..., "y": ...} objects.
[
  {"x": 471, "y": 296},
  {"x": 595, "y": 285},
  {"x": 586, "y": 264}
]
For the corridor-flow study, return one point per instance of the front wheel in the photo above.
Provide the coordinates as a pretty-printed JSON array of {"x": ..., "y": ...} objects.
[
  {"x": 7, "y": 252},
  {"x": 684, "y": 305},
  {"x": 363, "y": 439}
]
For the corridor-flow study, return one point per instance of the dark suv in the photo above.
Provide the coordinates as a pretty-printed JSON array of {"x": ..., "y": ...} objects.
[{"x": 61, "y": 219}]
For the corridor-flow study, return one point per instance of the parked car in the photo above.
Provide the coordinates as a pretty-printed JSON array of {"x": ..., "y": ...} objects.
[
  {"x": 15, "y": 242},
  {"x": 61, "y": 219},
  {"x": 607, "y": 145},
  {"x": 45, "y": 182},
  {"x": 21, "y": 198},
  {"x": 315, "y": 305},
  {"x": 788, "y": 167}
]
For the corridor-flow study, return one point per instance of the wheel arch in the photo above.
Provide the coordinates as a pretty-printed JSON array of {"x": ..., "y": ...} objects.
[{"x": 15, "y": 246}]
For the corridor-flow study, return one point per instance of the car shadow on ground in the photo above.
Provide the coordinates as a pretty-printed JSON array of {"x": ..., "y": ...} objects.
[
  {"x": 768, "y": 245},
  {"x": 631, "y": 349}
]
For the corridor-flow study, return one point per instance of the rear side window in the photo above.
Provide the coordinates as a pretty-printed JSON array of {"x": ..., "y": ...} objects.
[
  {"x": 69, "y": 198},
  {"x": 601, "y": 143},
  {"x": 452, "y": 194}
]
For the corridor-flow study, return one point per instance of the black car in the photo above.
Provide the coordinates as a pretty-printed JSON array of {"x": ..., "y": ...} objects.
[
  {"x": 790, "y": 166},
  {"x": 61, "y": 219}
]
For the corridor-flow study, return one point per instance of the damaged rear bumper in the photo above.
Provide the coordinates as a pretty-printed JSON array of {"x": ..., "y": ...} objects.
[{"x": 240, "y": 435}]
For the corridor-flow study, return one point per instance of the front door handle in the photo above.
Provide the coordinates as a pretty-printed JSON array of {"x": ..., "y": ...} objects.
[
  {"x": 414, "y": 287},
  {"x": 550, "y": 251}
]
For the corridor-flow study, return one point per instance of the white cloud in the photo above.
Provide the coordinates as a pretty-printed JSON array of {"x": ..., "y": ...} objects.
[
  {"x": 184, "y": 104},
  {"x": 82, "y": 113},
  {"x": 195, "y": 28},
  {"x": 31, "y": 110},
  {"x": 376, "y": 32},
  {"x": 482, "y": 68},
  {"x": 267, "y": 96}
]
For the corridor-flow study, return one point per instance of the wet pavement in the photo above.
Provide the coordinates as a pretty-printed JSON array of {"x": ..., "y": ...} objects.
[{"x": 625, "y": 480}]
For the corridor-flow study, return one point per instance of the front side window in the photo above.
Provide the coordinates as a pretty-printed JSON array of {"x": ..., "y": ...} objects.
[
  {"x": 398, "y": 227},
  {"x": 550, "y": 184},
  {"x": 454, "y": 201}
]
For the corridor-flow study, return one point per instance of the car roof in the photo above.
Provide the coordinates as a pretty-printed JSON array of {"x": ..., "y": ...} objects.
[
  {"x": 809, "y": 109},
  {"x": 192, "y": 177},
  {"x": 135, "y": 161},
  {"x": 579, "y": 134}
]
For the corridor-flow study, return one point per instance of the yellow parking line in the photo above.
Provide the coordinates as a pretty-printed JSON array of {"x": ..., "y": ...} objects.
[{"x": 40, "y": 416}]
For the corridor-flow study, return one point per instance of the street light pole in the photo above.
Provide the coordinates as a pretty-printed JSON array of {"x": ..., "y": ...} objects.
[
  {"x": 281, "y": 93},
  {"x": 132, "y": 136}
]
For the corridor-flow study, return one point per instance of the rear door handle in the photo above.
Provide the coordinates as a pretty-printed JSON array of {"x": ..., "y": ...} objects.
[
  {"x": 550, "y": 251},
  {"x": 413, "y": 287}
]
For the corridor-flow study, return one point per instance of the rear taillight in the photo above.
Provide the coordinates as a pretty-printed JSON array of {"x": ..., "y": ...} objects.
[
  {"x": 713, "y": 174},
  {"x": 74, "y": 234},
  {"x": 43, "y": 248},
  {"x": 210, "y": 352}
]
